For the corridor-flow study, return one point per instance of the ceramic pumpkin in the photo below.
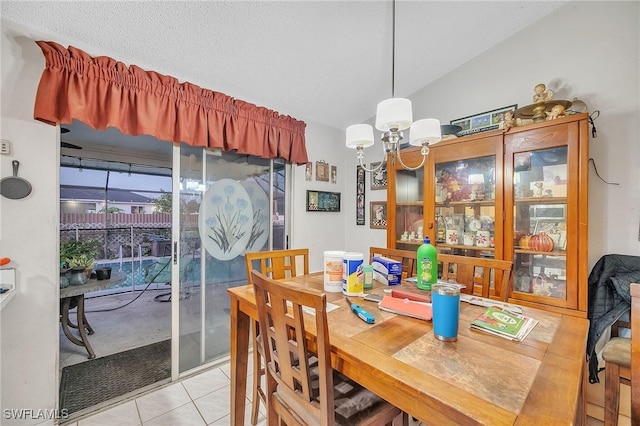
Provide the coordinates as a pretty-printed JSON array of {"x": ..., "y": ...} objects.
[{"x": 541, "y": 242}]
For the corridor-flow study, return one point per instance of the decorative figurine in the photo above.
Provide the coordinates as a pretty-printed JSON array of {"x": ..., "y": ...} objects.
[
  {"x": 556, "y": 112},
  {"x": 538, "y": 191},
  {"x": 509, "y": 121},
  {"x": 542, "y": 94}
]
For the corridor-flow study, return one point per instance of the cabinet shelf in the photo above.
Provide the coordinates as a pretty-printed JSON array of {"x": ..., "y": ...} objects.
[
  {"x": 466, "y": 203},
  {"x": 412, "y": 204},
  {"x": 545, "y": 253},
  {"x": 463, "y": 247},
  {"x": 541, "y": 200},
  {"x": 412, "y": 242}
]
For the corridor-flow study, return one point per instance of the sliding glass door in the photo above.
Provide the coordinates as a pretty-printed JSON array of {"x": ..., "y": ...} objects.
[{"x": 226, "y": 204}]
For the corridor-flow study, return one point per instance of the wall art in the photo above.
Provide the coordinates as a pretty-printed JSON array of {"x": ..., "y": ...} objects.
[
  {"x": 379, "y": 177},
  {"x": 378, "y": 215},
  {"x": 360, "y": 214},
  {"x": 322, "y": 171},
  {"x": 482, "y": 122},
  {"x": 321, "y": 201}
]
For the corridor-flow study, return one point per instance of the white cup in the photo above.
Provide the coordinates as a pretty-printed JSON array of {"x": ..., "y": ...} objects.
[
  {"x": 469, "y": 238},
  {"x": 483, "y": 238}
]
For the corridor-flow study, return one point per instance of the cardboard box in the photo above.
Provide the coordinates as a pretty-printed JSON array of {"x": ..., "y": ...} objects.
[
  {"x": 387, "y": 279},
  {"x": 386, "y": 265}
]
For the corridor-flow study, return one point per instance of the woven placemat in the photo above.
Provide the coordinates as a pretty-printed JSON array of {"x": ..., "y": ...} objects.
[{"x": 98, "y": 380}]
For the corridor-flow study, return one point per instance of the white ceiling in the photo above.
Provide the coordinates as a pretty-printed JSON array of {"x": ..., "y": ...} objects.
[{"x": 323, "y": 61}]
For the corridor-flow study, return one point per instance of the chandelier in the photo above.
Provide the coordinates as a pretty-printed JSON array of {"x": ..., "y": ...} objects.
[{"x": 392, "y": 117}]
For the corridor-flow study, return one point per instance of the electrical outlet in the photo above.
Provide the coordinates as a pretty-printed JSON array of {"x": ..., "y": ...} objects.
[{"x": 5, "y": 147}]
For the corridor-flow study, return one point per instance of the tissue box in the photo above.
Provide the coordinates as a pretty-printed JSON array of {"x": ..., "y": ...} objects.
[
  {"x": 386, "y": 266},
  {"x": 387, "y": 279}
]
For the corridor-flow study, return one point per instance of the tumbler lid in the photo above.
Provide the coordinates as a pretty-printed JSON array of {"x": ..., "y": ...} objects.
[{"x": 445, "y": 289}]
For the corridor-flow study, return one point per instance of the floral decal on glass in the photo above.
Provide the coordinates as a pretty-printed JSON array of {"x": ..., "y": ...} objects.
[
  {"x": 229, "y": 222},
  {"x": 226, "y": 219}
]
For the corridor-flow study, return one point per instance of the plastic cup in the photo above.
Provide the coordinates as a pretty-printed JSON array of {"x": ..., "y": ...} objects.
[{"x": 445, "y": 303}]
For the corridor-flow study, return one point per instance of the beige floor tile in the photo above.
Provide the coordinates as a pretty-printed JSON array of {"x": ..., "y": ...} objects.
[
  {"x": 125, "y": 414},
  {"x": 162, "y": 401},
  {"x": 215, "y": 405},
  {"x": 185, "y": 415},
  {"x": 206, "y": 382}
]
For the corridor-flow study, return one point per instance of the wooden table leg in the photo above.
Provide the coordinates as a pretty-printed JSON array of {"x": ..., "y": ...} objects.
[{"x": 240, "y": 322}]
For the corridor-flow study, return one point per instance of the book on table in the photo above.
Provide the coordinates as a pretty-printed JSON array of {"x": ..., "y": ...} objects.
[{"x": 504, "y": 323}]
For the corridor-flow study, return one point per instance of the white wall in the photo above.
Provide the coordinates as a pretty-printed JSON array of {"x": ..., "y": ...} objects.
[
  {"x": 320, "y": 231},
  {"x": 29, "y": 236},
  {"x": 588, "y": 50},
  {"x": 585, "y": 49}
]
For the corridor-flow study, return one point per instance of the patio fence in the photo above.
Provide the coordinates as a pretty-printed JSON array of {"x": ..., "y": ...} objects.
[{"x": 121, "y": 233}]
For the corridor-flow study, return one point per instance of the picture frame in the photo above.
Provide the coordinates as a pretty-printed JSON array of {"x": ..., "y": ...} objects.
[
  {"x": 483, "y": 122},
  {"x": 308, "y": 173},
  {"x": 378, "y": 215},
  {"x": 360, "y": 196},
  {"x": 322, "y": 201},
  {"x": 334, "y": 174},
  {"x": 322, "y": 171},
  {"x": 379, "y": 177}
]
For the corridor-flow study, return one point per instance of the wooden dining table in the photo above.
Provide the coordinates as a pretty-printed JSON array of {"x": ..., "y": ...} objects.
[{"x": 478, "y": 379}]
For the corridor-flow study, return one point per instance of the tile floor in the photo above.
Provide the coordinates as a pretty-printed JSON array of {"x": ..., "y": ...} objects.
[{"x": 199, "y": 400}]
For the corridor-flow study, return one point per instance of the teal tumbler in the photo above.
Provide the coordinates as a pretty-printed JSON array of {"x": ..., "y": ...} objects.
[{"x": 445, "y": 303}]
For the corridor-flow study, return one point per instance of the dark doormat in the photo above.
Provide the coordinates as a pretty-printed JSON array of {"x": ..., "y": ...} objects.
[{"x": 92, "y": 382}]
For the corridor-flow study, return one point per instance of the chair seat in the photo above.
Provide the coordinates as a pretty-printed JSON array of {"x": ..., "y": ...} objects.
[
  {"x": 618, "y": 351},
  {"x": 353, "y": 403}
]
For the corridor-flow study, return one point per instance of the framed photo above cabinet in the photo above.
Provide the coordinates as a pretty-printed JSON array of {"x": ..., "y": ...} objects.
[{"x": 520, "y": 195}]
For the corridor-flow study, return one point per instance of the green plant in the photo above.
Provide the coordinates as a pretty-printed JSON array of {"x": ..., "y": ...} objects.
[{"x": 74, "y": 254}]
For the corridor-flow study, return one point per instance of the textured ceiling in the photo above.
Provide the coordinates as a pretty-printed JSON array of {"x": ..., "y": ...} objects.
[{"x": 323, "y": 61}]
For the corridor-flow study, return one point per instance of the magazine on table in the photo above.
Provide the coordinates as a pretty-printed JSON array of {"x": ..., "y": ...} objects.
[{"x": 504, "y": 323}]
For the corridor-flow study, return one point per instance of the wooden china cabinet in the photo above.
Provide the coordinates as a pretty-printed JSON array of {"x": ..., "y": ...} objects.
[{"x": 519, "y": 195}]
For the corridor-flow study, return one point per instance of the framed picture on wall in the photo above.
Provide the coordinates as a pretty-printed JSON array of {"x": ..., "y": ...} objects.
[
  {"x": 321, "y": 201},
  {"x": 378, "y": 215},
  {"x": 379, "y": 177},
  {"x": 322, "y": 171},
  {"x": 308, "y": 174},
  {"x": 360, "y": 196}
]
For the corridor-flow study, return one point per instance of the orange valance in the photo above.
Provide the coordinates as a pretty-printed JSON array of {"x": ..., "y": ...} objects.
[{"x": 102, "y": 92}]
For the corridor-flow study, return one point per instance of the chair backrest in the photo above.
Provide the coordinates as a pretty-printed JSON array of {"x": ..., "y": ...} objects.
[
  {"x": 483, "y": 277},
  {"x": 278, "y": 264},
  {"x": 407, "y": 257},
  {"x": 634, "y": 289},
  {"x": 288, "y": 357}
]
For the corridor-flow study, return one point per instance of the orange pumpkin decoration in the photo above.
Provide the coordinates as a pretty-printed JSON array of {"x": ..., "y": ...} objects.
[{"x": 541, "y": 242}]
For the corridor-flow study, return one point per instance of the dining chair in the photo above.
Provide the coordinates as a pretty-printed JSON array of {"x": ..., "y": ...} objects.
[
  {"x": 407, "y": 257},
  {"x": 302, "y": 387},
  {"x": 489, "y": 278},
  {"x": 276, "y": 264},
  {"x": 622, "y": 365}
]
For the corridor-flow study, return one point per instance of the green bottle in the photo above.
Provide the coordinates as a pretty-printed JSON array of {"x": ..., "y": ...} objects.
[{"x": 427, "y": 257}]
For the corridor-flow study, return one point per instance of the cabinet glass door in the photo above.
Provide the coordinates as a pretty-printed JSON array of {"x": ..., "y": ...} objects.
[
  {"x": 540, "y": 222},
  {"x": 465, "y": 206},
  {"x": 409, "y": 208}
]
